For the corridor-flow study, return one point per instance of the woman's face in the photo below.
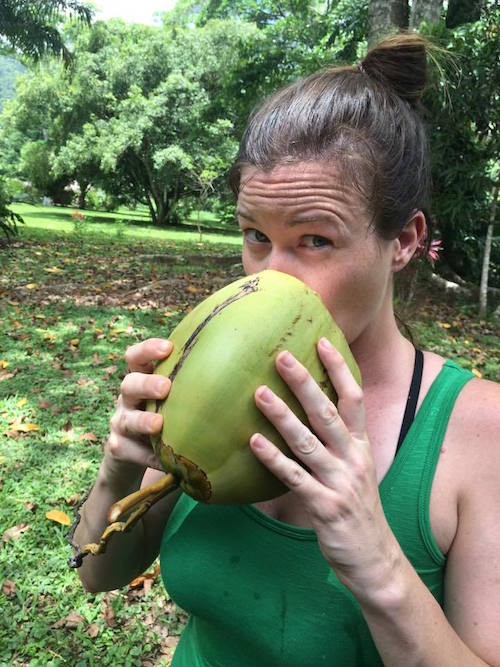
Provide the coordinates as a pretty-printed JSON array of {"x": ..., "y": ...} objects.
[{"x": 300, "y": 219}]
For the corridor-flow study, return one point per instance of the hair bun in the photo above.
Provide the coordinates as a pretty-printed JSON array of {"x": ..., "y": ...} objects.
[{"x": 401, "y": 63}]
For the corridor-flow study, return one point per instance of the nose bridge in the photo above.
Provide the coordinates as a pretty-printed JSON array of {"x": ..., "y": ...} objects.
[{"x": 282, "y": 260}]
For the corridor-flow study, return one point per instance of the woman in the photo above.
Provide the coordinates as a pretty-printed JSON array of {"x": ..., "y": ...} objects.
[{"x": 348, "y": 567}]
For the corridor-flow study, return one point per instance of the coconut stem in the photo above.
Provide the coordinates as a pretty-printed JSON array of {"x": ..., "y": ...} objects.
[{"x": 136, "y": 504}]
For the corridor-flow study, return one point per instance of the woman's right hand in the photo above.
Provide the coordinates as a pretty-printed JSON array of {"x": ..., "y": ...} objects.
[{"x": 128, "y": 447}]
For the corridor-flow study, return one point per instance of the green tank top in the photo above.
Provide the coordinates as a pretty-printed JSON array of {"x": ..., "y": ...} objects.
[{"x": 260, "y": 593}]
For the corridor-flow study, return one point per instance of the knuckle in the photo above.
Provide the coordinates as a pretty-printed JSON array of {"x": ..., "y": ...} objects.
[
  {"x": 126, "y": 382},
  {"x": 308, "y": 443},
  {"x": 114, "y": 422},
  {"x": 130, "y": 353},
  {"x": 295, "y": 476},
  {"x": 280, "y": 409},
  {"x": 122, "y": 425},
  {"x": 113, "y": 445},
  {"x": 355, "y": 395},
  {"x": 328, "y": 415},
  {"x": 302, "y": 376}
]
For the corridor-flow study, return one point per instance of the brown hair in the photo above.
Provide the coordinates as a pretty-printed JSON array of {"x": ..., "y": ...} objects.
[{"x": 365, "y": 118}]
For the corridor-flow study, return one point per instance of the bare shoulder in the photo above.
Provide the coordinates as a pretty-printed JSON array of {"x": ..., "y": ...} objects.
[
  {"x": 472, "y": 583},
  {"x": 476, "y": 418}
]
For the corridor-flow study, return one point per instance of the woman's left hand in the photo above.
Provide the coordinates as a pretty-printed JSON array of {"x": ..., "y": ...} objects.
[{"x": 337, "y": 485}]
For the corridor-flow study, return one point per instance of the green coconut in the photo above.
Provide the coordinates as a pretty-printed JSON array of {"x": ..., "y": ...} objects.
[{"x": 222, "y": 351}]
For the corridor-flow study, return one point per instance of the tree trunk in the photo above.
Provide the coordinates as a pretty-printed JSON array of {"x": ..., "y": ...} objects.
[
  {"x": 483, "y": 288},
  {"x": 463, "y": 11},
  {"x": 386, "y": 17},
  {"x": 82, "y": 195},
  {"x": 425, "y": 10}
]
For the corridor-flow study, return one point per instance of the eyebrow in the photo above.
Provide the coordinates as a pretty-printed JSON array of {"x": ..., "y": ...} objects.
[{"x": 299, "y": 220}]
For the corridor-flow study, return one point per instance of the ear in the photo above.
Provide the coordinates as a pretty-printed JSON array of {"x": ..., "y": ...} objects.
[{"x": 407, "y": 242}]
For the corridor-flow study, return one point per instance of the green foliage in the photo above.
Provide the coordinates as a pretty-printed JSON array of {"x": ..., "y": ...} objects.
[
  {"x": 464, "y": 119},
  {"x": 9, "y": 220},
  {"x": 31, "y": 26}
]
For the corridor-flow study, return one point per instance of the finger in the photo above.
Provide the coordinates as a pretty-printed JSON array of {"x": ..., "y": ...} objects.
[
  {"x": 137, "y": 387},
  {"x": 140, "y": 357},
  {"x": 302, "y": 442},
  {"x": 131, "y": 451},
  {"x": 294, "y": 476},
  {"x": 136, "y": 423},
  {"x": 350, "y": 395},
  {"x": 320, "y": 410}
]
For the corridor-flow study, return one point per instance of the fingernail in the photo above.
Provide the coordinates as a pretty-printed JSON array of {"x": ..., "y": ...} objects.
[
  {"x": 257, "y": 441},
  {"x": 286, "y": 359},
  {"x": 155, "y": 424},
  {"x": 164, "y": 346},
  {"x": 265, "y": 394},
  {"x": 162, "y": 385},
  {"x": 325, "y": 343}
]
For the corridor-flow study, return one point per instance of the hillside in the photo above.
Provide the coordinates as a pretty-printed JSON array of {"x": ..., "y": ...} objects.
[{"x": 9, "y": 69}]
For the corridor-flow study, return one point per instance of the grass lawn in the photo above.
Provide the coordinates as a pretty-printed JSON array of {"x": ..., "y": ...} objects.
[
  {"x": 71, "y": 302},
  {"x": 123, "y": 223}
]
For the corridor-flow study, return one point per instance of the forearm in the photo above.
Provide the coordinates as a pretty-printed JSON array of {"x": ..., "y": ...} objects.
[
  {"x": 409, "y": 627},
  {"x": 123, "y": 558}
]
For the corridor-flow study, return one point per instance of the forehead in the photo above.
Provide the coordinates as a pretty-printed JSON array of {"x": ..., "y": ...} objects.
[{"x": 298, "y": 184}]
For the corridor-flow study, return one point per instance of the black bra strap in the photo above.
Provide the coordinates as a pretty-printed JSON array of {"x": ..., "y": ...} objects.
[{"x": 411, "y": 402}]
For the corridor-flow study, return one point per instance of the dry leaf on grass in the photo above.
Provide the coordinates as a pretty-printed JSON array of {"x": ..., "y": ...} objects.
[
  {"x": 58, "y": 517},
  {"x": 146, "y": 579},
  {"x": 15, "y": 532},
  {"x": 23, "y": 428},
  {"x": 8, "y": 587},
  {"x": 93, "y": 630},
  {"x": 71, "y": 621},
  {"x": 88, "y": 436}
]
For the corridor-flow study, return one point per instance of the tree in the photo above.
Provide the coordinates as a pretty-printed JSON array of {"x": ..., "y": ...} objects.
[
  {"x": 463, "y": 124},
  {"x": 30, "y": 26},
  {"x": 483, "y": 287},
  {"x": 138, "y": 108},
  {"x": 425, "y": 10},
  {"x": 9, "y": 220},
  {"x": 386, "y": 17}
]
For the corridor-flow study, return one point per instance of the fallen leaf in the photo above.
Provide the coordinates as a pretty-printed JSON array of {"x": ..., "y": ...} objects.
[
  {"x": 5, "y": 375},
  {"x": 477, "y": 373},
  {"x": 44, "y": 405},
  {"x": 24, "y": 428},
  {"x": 3, "y": 363},
  {"x": 54, "y": 269},
  {"x": 8, "y": 587},
  {"x": 15, "y": 532},
  {"x": 73, "y": 500},
  {"x": 110, "y": 369},
  {"x": 31, "y": 507},
  {"x": 88, "y": 436},
  {"x": 58, "y": 517},
  {"x": 71, "y": 621},
  {"x": 22, "y": 402},
  {"x": 32, "y": 286},
  {"x": 140, "y": 582},
  {"x": 74, "y": 342},
  {"x": 93, "y": 630},
  {"x": 109, "y": 614}
]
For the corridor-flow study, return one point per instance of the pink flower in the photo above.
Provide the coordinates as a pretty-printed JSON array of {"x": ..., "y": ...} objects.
[{"x": 432, "y": 254}]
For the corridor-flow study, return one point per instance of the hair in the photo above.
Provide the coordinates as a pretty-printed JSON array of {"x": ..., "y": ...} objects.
[{"x": 366, "y": 120}]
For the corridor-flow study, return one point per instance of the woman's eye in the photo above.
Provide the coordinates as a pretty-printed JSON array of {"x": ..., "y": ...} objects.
[
  {"x": 254, "y": 236},
  {"x": 313, "y": 241}
]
